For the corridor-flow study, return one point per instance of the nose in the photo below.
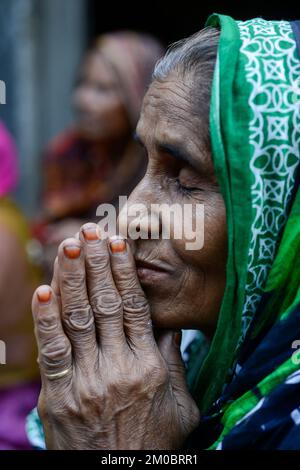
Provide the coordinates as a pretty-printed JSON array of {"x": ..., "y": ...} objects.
[
  {"x": 138, "y": 218},
  {"x": 84, "y": 99}
]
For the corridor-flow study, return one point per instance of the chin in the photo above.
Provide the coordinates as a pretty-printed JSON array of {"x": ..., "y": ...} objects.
[
  {"x": 165, "y": 319},
  {"x": 165, "y": 316}
]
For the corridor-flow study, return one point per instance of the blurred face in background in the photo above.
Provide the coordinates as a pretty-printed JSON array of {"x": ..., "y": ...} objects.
[{"x": 99, "y": 107}]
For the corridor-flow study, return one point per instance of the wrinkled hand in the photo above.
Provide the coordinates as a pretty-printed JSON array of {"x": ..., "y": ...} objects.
[{"x": 106, "y": 382}]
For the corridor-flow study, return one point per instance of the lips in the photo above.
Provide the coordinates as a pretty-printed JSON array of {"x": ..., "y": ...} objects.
[
  {"x": 147, "y": 265},
  {"x": 151, "y": 273}
]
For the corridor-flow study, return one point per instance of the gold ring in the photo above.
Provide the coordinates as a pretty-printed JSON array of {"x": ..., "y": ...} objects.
[{"x": 58, "y": 375}]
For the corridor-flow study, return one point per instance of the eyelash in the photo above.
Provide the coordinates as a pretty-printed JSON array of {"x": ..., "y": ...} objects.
[{"x": 183, "y": 189}]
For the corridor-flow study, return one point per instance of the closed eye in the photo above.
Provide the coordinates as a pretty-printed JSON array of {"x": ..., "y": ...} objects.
[{"x": 186, "y": 189}]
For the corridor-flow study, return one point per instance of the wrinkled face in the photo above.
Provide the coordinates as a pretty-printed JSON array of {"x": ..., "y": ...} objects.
[
  {"x": 99, "y": 107},
  {"x": 184, "y": 287}
]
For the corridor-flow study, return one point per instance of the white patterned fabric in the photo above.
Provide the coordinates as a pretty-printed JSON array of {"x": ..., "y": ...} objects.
[{"x": 273, "y": 71}]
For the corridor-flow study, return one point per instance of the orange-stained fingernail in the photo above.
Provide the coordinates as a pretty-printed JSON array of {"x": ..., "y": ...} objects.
[
  {"x": 44, "y": 294},
  {"x": 91, "y": 234},
  {"x": 72, "y": 251},
  {"x": 117, "y": 245}
]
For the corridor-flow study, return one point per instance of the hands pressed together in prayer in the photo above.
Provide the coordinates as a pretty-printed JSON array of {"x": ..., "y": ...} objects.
[{"x": 107, "y": 382}]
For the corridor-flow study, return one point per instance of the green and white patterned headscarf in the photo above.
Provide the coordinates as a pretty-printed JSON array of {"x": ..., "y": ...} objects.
[{"x": 255, "y": 137}]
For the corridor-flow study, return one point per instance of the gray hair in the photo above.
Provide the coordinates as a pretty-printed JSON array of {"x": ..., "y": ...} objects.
[{"x": 194, "y": 57}]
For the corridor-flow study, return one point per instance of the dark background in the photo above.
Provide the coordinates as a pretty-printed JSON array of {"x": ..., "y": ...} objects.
[{"x": 173, "y": 20}]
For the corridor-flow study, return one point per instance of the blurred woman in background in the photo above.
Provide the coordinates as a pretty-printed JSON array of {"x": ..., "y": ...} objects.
[
  {"x": 97, "y": 159},
  {"x": 19, "y": 385}
]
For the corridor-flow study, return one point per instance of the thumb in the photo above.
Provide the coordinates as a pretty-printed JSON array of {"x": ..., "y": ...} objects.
[{"x": 169, "y": 346}]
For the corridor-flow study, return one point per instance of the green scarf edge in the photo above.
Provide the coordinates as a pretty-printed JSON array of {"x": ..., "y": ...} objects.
[{"x": 235, "y": 187}]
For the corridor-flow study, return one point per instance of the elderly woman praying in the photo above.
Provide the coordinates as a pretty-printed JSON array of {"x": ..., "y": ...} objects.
[{"x": 220, "y": 123}]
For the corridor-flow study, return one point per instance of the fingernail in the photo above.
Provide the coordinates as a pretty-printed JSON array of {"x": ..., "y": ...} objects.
[
  {"x": 117, "y": 245},
  {"x": 72, "y": 251},
  {"x": 44, "y": 294},
  {"x": 177, "y": 338},
  {"x": 91, "y": 234}
]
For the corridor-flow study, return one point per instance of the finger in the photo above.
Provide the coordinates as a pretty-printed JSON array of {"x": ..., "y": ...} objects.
[
  {"x": 55, "y": 282},
  {"x": 104, "y": 298},
  {"x": 77, "y": 315},
  {"x": 169, "y": 346},
  {"x": 55, "y": 278},
  {"x": 136, "y": 312},
  {"x": 54, "y": 348}
]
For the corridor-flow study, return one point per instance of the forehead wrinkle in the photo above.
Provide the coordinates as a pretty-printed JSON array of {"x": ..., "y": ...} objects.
[
  {"x": 180, "y": 94},
  {"x": 164, "y": 111},
  {"x": 175, "y": 110},
  {"x": 162, "y": 126}
]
